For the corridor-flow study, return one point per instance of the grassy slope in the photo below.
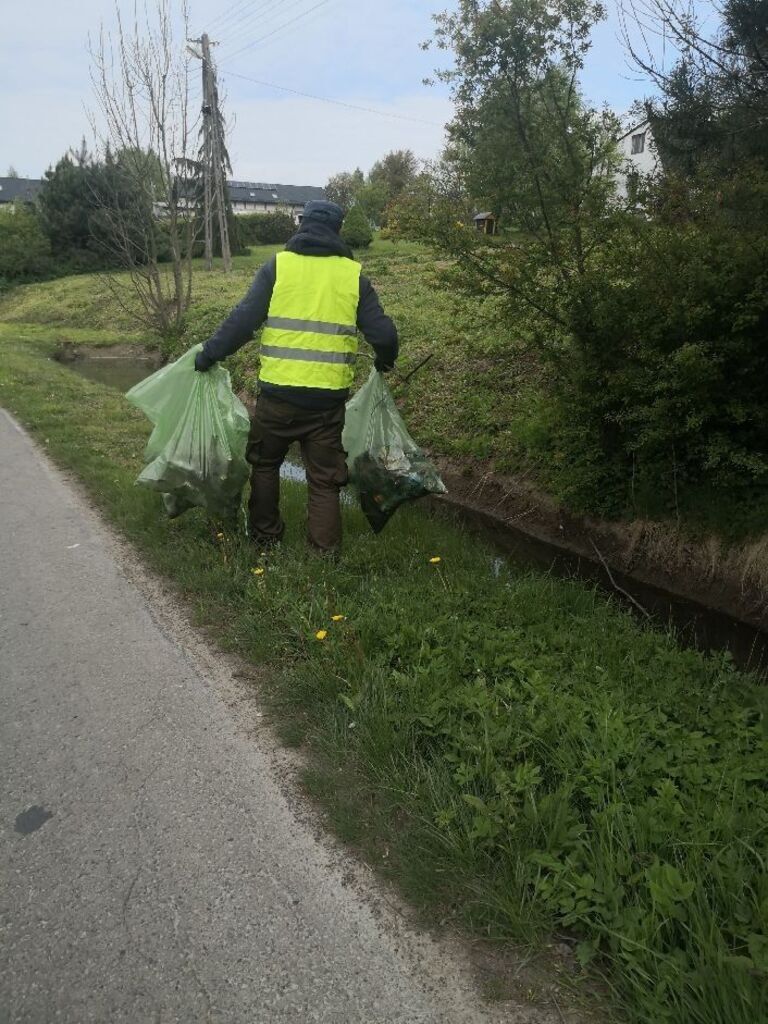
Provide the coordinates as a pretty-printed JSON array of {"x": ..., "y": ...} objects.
[
  {"x": 511, "y": 749},
  {"x": 480, "y": 399},
  {"x": 451, "y": 405}
]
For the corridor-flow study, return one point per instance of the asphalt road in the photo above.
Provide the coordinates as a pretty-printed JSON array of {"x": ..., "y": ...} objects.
[{"x": 156, "y": 866}]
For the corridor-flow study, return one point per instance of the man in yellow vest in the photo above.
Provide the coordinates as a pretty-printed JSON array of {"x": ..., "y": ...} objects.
[{"x": 312, "y": 299}]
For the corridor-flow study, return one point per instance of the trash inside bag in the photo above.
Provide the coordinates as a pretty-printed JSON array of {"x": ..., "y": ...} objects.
[
  {"x": 386, "y": 467},
  {"x": 196, "y": 453}
]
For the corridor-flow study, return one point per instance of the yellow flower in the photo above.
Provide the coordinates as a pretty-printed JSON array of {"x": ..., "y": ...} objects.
[
  {"x": 257, "y": 572},
  {"x": 220, "y": 536},
  {"x": 321, "y": 634},
  {"x": 435, "y": 560},
  {"x": 338, "y": 618}
]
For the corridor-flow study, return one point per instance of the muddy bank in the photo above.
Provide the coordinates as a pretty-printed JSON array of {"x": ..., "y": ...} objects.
[{"x": 732, "y": 581}]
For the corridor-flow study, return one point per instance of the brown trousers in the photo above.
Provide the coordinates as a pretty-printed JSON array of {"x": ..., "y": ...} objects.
[{"x": 275, "y": 427}]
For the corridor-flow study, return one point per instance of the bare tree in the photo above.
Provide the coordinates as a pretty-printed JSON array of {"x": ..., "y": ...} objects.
[
  {"x": 141, "y": 79},
  {"x": 725, "y": 39}
]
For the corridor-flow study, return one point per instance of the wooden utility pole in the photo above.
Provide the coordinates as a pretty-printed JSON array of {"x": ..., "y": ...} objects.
[{"x": 213, "y": 159}]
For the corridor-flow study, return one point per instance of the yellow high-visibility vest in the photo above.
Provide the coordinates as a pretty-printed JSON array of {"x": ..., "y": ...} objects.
[{"x": 310, "y": 337}]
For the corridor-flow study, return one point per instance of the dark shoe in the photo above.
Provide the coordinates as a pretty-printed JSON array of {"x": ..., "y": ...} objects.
[
  {"x": 265, "y": 543},
  {"x": 328, "y": 554}
]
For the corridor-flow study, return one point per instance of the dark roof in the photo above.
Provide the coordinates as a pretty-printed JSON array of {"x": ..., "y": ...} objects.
[
  {"x": 283, "y": 195},
  {"x": 24, "y": 189},
  {"x": 644, "y": 125}
]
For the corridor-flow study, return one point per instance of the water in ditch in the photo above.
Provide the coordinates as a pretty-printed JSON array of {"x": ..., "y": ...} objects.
[{"x": 119, "y": 372}]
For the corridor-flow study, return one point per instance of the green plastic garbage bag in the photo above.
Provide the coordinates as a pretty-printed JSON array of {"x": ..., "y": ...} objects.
[
  {"x": 386, "y": 467},
  {"x": 196, "y": 453}
]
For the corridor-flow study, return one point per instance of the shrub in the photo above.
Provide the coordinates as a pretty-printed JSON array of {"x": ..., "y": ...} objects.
[
  {"x": 356, "y": 230},
  {"x": 25, "y": 253},
  {"x": 202, "y": 320},
  {"x": 266, "y": 228},
  {"x": 664, "y": 387}
]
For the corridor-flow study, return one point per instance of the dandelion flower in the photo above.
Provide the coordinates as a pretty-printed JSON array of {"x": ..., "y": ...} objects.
[
  {"x": 258, "y": 571},
  {"x": 338, "y": 618},
  {"x": 321, "y": 634},
  {"x": 435, "y": 560},
  {"x": 220, "y": 536}
]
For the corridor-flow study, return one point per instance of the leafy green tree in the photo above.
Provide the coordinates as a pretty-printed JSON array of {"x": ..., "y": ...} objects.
[
  {"x": 524, "y": 145},
  {"x": 395, "y": 171},
  {"x": 641, "y": 326},
  {"x": 388, "y": 179},
  {"x": 24, "y": 248},
  {"x": 343, "y": 188},
  {"x": 372, "y": 200},
  {"x": 356, "y": 230},
  {"x": 66, "y": 203}
]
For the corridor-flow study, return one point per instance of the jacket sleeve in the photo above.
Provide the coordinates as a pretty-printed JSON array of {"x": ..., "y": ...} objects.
[
  {"x": 245, "y": 318},
  {"x": 377, "y": 328}
]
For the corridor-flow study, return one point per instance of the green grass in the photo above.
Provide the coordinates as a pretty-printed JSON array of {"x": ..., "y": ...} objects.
[
  {"x": 515, "y": 752},
  {"x": 482, "y": 401}
]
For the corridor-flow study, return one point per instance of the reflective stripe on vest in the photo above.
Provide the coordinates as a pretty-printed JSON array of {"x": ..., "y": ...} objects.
[
  {"x": 307, "y": 355},
  {"x": 286, "y": 323},
  {"x": 310, "y": 339}
]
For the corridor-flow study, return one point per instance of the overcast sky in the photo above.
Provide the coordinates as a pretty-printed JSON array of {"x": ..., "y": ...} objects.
[{"x": 364, "y": 52}]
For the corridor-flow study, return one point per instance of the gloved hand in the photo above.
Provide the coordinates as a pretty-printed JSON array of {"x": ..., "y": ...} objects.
[
  {"x": 382, "y": 366},
  {"x": 202, "y": 362}
]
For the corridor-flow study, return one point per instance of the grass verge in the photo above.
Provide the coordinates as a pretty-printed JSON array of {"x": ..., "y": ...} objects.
[{"x": 512, "y": 750}]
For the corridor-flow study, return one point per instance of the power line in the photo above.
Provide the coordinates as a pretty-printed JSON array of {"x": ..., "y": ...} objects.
[
  {"x": 283, "y": 8},
  {"x": 267, "y": 14},
  {"x": 327, "y": 99},
  {"x": 236, "y": 29},
  {"x": 228, "y": 12},
  {"x": 245, "y": 16},
  {"x": 269, "y": 35}
]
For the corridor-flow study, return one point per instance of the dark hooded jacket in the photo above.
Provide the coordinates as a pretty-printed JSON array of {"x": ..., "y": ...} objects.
[{"x": 312, "y": 239}]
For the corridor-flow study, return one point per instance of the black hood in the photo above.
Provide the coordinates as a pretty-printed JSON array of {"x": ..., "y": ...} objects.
[{"x": 313, "y": 239}]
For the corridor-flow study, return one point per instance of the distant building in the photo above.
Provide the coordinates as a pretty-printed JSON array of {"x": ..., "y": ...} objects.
[
  {"x": 245, "y": 196},
  {"x": 19, "y": 190},
  {"x": 639, "y": 157},
  {"x": 257, "y": 197}
]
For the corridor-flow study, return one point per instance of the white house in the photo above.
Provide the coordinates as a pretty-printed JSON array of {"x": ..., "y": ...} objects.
[{"x": 639, "y": 156}]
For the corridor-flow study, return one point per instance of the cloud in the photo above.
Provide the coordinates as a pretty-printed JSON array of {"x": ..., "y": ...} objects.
[
  {"x": 300, "y": 141},
  {"x": 364, "y": 52},
  {"x": 37, "y": 132}
]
